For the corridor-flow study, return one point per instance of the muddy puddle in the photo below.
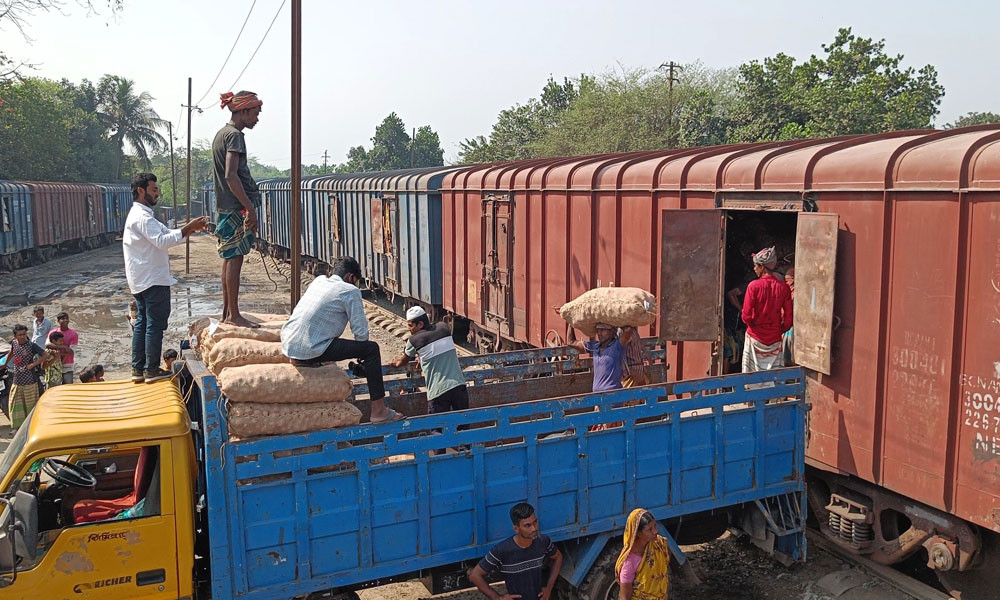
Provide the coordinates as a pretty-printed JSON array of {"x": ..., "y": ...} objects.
[{"x": 91, "y": 287}]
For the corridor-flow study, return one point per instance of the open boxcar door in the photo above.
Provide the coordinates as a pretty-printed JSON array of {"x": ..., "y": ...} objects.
[
  {"x": 693, "y": 247},
  {"x": 815, "y": 272}
]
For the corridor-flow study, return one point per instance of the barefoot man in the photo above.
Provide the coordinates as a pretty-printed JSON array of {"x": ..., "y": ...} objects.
[{"x": 237, "y": 198}]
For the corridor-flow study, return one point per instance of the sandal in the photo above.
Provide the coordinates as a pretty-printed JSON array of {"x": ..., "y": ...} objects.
[{"x": 389, "y": 418}]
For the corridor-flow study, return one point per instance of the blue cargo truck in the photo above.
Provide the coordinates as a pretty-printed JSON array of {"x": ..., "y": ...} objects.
[{"x": 325, "y": 513}]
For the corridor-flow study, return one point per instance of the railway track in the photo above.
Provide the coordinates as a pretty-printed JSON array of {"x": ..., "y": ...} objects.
[
  {"x": 396, "y": 324},
  {"x": 901, "y": 581}
]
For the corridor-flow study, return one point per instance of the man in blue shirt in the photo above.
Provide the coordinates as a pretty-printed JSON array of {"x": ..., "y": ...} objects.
[
  {"x": 608, "y": 352},
  {"x": 312, "y": 334}
]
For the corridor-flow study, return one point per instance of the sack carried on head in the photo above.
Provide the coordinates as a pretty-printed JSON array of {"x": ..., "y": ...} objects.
[
  {"x": 615, "y": 306},
  {"x": 281, "y": 384}
]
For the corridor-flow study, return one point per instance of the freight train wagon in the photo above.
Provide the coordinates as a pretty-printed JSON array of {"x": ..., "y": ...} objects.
[
  {"x": 66, "y": 216},
  {"x": 895, "y": 239},
  {"x": 16, "y": 237},
  {"x": 389, "y": 221},
  {"x": 203, "y": 204},
  {"x": 117, "y": 198}
]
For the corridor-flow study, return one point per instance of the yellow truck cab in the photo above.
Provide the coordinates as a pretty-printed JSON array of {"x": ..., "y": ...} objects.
[{"x": 101, "y": 478}]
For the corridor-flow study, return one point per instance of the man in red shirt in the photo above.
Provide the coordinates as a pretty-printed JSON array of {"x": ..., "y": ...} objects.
[{"x": 767, "y": 312}]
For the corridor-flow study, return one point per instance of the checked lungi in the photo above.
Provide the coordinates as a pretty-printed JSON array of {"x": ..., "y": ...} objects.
[
  {"x": 234, "y": 238},
  {"x": 22, "y": 400}
]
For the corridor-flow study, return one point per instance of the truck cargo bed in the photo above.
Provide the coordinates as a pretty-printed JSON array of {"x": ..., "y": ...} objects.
[{"x": 340, "y": 508}]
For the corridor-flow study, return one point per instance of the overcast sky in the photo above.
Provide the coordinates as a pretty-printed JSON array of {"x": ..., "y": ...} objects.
[{"x": 453, "y": 65}]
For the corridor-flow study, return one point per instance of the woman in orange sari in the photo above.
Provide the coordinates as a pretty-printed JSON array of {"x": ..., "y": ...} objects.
[{"x": 643, "y": 567}]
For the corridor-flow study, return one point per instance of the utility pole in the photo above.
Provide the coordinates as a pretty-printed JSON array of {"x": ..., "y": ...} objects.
[
  {"x": 173, "y": 170},
  {"x": 296, "y": 170},
  {"x": 413, "y": 143},
  {"x": 326, "y": 155},
  {"x": 187, "y": 187},
  {"x": 671, "y": 79}
]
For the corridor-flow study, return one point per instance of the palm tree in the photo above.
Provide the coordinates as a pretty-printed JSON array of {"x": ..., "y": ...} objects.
[{"x": 128, "y": 117}]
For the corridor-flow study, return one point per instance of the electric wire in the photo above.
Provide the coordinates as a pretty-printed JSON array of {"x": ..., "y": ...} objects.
[
  {"x": 252, "y": 56},
  {"x": 228, "y": 56}
]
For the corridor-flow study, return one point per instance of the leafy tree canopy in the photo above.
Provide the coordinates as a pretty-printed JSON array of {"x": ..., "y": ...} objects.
[
  {"x": 393, "y": 148},
  {"x": 974, "y": 118},
  {"x": 855, "y": 88}
]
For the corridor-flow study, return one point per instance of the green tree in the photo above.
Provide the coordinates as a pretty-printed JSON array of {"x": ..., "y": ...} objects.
[
  {"x": 95, "y": 153},
  {"x": 49, "y": 131},
  {"x": 974, "y": 118},
  {"x": 639, "y": 109},
  {"x": 426, "y": 148},
  {"x": 392, "y": 148},
  {"x": 128, "y": 116},
  {"x": 35, "y": 132},
  {"x": 520, "y": 126},
  {"x": 357, "y": 161},
  {"x": 855, "y": 88}
]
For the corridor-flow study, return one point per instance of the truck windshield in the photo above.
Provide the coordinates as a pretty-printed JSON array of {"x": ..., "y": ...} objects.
[{"x": 14, "y": 449}]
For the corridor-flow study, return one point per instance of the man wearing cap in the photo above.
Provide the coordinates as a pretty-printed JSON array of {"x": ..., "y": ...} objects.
[
  {"x": 767, "y": 312},
  {"x": 311, "y": 336},
  {"x": 237, "y": 198},
  {"x": 608, "y": 352},
  {"x": 434, "y": 346}
]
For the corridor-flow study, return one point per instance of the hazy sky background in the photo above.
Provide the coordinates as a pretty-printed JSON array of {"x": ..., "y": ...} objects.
[{"x": 454, "y": 65}]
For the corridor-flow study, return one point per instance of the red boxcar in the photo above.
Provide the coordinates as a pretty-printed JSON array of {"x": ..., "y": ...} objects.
[
  {"x": 895, "y": 239},
  {"x": 66, "y": 214}
]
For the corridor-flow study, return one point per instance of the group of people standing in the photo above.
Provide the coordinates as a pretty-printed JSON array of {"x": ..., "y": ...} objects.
[{"x": 41, "y": 361}]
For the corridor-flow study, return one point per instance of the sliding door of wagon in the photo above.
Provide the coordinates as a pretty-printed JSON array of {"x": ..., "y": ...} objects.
[
  {"x": 690, "y": 295},
  {"x": 498, "y": 248}
]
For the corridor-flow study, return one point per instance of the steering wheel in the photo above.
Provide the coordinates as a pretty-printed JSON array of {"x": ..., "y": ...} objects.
[{"x": 69, "y": 474}]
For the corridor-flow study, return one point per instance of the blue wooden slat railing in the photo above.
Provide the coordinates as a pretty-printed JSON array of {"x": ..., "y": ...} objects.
[{"x": 299, "y": 513}]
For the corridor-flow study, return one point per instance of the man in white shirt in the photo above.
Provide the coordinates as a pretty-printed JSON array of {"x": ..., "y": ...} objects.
[
  {"x": 311, "y": 336},
  {"x": 147, "y": 270}
]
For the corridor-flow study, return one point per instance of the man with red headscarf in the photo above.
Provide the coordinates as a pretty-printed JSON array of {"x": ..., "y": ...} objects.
[{"x": 237, "y": 198}]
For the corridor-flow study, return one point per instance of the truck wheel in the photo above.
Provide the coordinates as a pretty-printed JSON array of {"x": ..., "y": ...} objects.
[{"x": 600, "y": 582}]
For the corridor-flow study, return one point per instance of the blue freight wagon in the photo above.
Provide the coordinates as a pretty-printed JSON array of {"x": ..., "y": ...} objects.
[
  {"x": 340, "y": 509},
  {"x": 16, "y": 239},
  {"x": 117, "y": 199},
  {"x": 389, "y": 221}
]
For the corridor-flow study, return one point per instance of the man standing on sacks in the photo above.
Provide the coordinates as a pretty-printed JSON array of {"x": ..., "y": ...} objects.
[
  {"x": 237, "y": 198},
  {"x": 311, "y": 336}
]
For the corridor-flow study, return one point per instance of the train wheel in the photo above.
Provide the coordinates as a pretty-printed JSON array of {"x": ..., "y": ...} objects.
[{"x": 977, "y": 583}]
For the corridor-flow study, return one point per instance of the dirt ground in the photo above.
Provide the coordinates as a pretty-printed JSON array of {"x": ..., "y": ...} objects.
[{"x": 91, "y": 288}]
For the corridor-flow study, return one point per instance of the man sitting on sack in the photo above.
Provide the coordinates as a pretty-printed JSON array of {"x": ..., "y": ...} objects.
[
  {"x": 312, "y": 334},
  {"x": 434, "y": 346}
]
